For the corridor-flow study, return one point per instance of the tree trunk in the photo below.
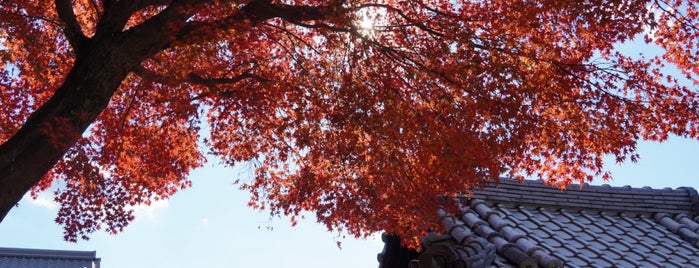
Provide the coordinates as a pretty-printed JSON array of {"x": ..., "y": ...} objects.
[
  {"x": 100, "y": 67},
  {"x": 102, "y": 62}
]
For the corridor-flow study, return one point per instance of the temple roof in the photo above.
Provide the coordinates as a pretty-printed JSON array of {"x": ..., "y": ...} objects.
[
  {"x": 44, "y": 258},
  {"x": 529, "y": 224}
]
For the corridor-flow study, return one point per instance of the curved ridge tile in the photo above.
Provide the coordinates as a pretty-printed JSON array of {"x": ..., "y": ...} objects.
[
  {"x": 515, "y": 237},
  {"x": 693, "y": 197},
  {"x": 677, "y": 228},
  {"x": 503, "y": 247},
  {"x": 477, "y": 253},
  {"x": 687, "y": 221},
  {"x": 459, "y": 247},
  {"x": 690, "y": 224}
]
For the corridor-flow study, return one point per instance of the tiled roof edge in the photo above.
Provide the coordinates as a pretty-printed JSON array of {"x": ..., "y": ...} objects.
[
  {"x": 591, "y": 197},
  {"x": 693, "y": 197},
  {"x": 514, "y": 237},
  {"x": 48, "y": 253},
  {"x": 683, "y": 230}
]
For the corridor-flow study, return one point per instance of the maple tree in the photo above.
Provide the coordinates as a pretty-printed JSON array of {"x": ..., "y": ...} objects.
[{"x": 372, "y": 114}]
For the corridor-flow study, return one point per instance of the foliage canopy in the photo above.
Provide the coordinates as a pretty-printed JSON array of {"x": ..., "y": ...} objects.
[{"x": 369, "y": 113}]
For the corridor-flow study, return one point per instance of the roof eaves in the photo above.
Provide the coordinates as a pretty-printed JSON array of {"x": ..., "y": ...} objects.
[{"x": 37, "y": 254}]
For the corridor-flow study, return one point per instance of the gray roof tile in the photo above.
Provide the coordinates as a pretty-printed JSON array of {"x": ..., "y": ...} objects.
[
  {"x": 530, "y": 223},
  {"x": 42, "y": 258},
  {"x": 674, "y": 263}
]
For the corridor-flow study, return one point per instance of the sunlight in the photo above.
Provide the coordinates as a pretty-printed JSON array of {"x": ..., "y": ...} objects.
[
  {"x": 369, "y": 19},
  {"x": 366, "y": 24}
]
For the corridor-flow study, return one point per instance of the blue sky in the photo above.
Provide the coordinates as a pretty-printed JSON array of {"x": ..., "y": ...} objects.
[{"x": 210, "y": 226}]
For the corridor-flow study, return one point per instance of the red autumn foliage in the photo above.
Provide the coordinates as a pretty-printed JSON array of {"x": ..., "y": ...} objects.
[{"x": 371, "y": 126}]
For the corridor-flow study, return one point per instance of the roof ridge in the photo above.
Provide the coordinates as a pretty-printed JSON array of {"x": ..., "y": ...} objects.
[
  {"x": 604, "y": 187},
  {"x": 48, "y": 253},
  {"x": 623, "y": 199}
]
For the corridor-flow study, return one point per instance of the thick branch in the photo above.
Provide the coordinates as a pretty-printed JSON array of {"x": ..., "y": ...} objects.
[
  {"x": 263, "y": 10},
  {"x": 116, "y": 15},
  {"x": 72, "y": 28},
  {"x": 156, "y": 33},
  {"x": 254, "y": 12}
]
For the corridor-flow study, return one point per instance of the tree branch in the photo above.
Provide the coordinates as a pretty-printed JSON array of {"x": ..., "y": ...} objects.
[
  {"x": 261, "y": 10},
  {"x": 116, "y": 15},
  {"x": 214, "y": 82},
  {"x": 256, "y": 12},
  {"x": 155, "y": 77},
  {"x": 411, "y": 22},
  {"x": 193, "y": 78},
  {"x": 71, "y": 28},
  {"x": 141, "y": 4},
  {"x": 157, "y": 33}
]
